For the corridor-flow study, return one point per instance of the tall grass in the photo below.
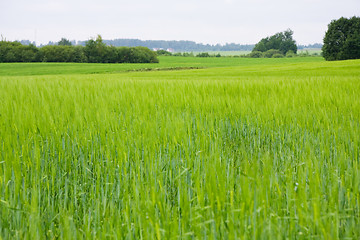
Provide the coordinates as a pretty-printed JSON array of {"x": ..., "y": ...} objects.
[{"x": 238, "y": 152}]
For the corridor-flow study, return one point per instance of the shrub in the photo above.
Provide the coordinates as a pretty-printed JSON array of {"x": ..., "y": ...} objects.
[
  {"x": 186, "y": 54},
  {"x": 290, "y": 54},
  {"x": 204, "y": 54},
  {"x": 277, "y": 55},
  {"x": 270, "y": 53},
  {"x": 163, "y": 53},
  {"x": 256, "y": 54}
]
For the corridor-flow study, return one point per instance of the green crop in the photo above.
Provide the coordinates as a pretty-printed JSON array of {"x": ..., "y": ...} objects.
[{"x": 244, "y": 148}]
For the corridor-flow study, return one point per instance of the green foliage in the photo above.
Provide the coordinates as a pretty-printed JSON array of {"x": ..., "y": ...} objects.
[
  {"x": 16, "y": 52},
  {"x": 281, "y": 41},
  {"x": 95, "y": 51},
  {"x": 204, "y": 54},
  {"x": 342, "y": 39},
  {"x": 270, "y": 53},
  {"x": 256, "y": 54},
  {"x": 277, "y": 55},
  {"x": 62, "y": 53},
  {"x": 64, "y": 42},
  {"x": 290, "y": 54},
  {"x": 163, "y": 53},
  {"x": 142, "y": 55},
  {"x": 186, "y": 54}
]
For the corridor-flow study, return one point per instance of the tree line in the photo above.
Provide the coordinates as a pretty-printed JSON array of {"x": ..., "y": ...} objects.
[
  {"x": 177, "y": 46},
  {"x": 187, "y": 46},
  {"x": 94, "y": 51}
]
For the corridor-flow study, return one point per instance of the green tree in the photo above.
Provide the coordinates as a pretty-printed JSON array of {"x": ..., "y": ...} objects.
[
  {"x": 282, "y": 41},
  {"x": 342, "y": 39},
  {"x": 204, "y": 54},
  {"x": 163, "y": 53},
  {"x": 53, "y": 53},
  {"x": 95, "y": 50},
  {"x": 64, "y": 42}
]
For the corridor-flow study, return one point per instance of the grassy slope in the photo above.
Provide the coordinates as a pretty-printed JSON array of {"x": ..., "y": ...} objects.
[{"x": 265, "y": 148}]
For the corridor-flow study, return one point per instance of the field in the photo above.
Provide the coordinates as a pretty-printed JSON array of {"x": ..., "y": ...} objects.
[
  {"x": 236, "y": 149},
  {"x": 226, "y": 53}
]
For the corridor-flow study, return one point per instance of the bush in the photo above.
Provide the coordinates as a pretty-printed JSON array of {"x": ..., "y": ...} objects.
[
  {"x": 277, "y": 55},
  {"x": 163, "y": 53},
  {"x": 270, "y": 53},
  {"x": 304, "y": 54},
  {"x": 205, "y": 54},
  {"x": 290, "y": 54},
  {"x": 256, "y": 54},
  {"x": 186, "y": 54}
]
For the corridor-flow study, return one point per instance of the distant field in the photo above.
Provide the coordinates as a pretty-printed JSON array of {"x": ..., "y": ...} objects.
[
  {"x": 241, "y": 148},
  {"x": 311, "y": 51},
  {"x": 166, "y": 63},
  {"x": 226, "y": 53}
]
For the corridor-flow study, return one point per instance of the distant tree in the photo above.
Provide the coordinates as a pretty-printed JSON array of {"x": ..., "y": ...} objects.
[
  {"x": 178, "y": 46},
  {"x": 342, "y": 39},
  {"x": 187, "y": 54},
  {"x": 281, "y": 41},
  {"x": 142, "y": 55},
  {"x": 95, "y": 50},
  {"x": 162, "y": 52},
  {"x": 204, "y": 54},
  {"x": 16, "y": 52},
  {"x": 64, "y": 42},
  {"x": 62, "y": 54}
]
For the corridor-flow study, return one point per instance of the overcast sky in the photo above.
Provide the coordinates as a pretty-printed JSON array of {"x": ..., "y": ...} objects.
[{"x": 202, "y": 21}]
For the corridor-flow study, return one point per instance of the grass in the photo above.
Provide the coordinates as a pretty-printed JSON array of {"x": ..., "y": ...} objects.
[
  {"x": 244, "y": 148},
  {"x": 226, "y": 53},
  {"x": 36, "y": 69}
]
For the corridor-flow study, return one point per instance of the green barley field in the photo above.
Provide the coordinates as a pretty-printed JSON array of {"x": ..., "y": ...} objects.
[{"x": 190, "y": 148}]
